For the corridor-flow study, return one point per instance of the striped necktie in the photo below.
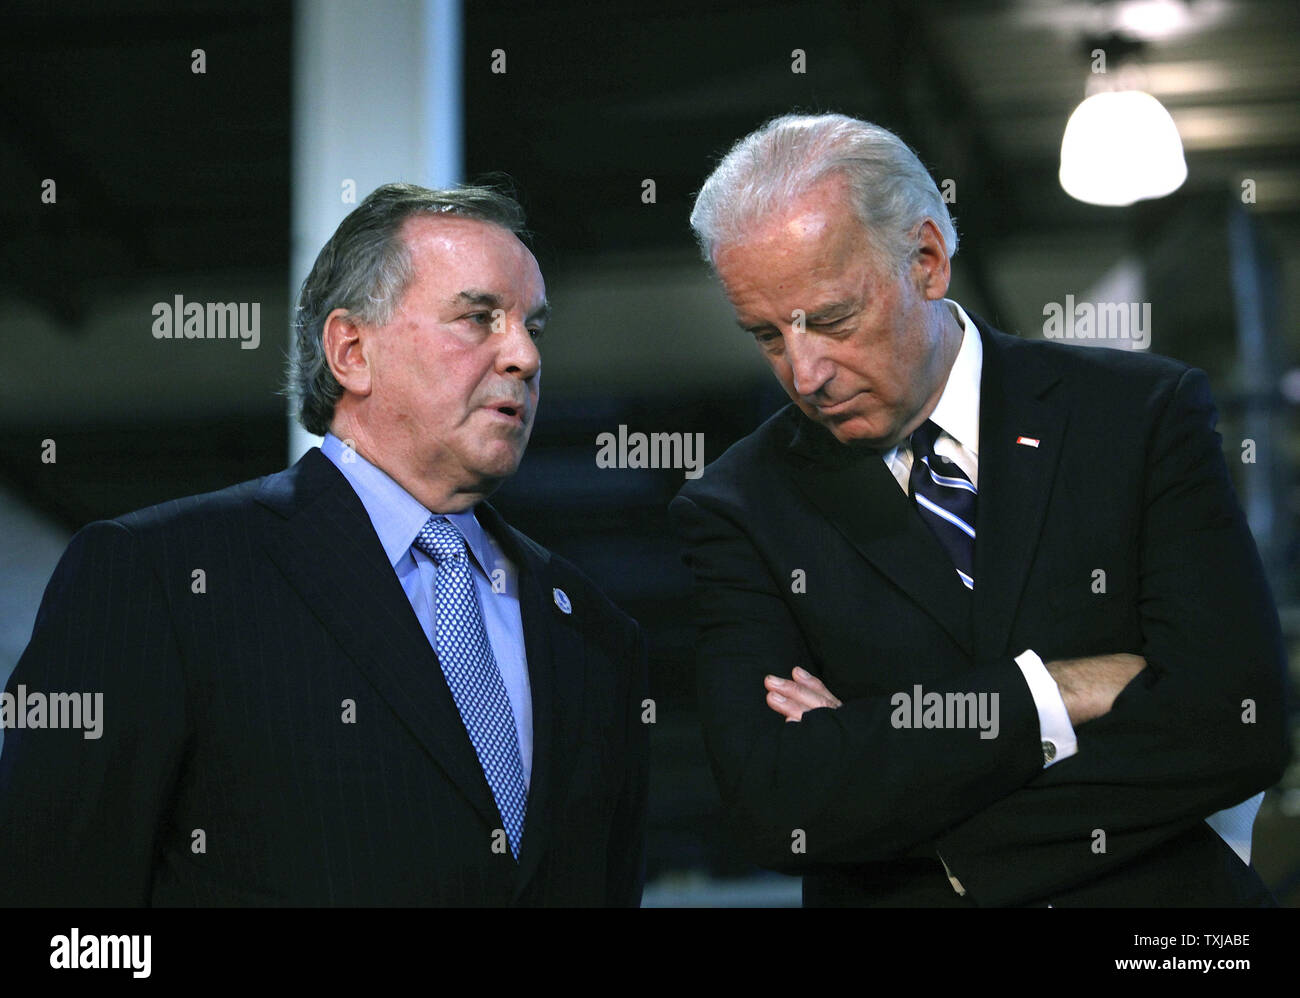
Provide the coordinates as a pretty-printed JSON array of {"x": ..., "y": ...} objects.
[
  {"x": 945, "y": 498},
  {"x": 471, "y": 669}
]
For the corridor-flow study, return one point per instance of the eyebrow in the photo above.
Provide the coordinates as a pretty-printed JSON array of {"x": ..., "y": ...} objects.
[{"x": 487, "y": 299}]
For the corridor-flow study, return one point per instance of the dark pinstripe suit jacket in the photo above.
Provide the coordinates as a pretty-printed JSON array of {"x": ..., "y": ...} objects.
[{"x": 226, "y": 774}]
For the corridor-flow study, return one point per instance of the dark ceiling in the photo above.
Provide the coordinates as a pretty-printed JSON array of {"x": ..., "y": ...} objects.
[
  {"x": 981, "y": 88},
  {"x": 162, "y": 172},
  {"x": 160, "y": 169}
]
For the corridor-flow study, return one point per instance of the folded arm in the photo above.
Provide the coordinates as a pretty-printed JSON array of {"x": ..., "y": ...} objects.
[{"x": 844, "y": 785}]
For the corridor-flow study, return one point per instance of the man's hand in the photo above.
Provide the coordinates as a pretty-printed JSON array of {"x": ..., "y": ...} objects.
[
  {"x": 1089, "y": 686},
  {"x": 804, "y": 691}
]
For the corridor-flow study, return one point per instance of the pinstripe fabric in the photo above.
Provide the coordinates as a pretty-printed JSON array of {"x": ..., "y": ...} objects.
[{"x": 285, "y": 736}]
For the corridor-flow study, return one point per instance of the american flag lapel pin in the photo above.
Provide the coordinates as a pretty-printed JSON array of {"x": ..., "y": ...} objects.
[{"x": 1028, "y": 441}]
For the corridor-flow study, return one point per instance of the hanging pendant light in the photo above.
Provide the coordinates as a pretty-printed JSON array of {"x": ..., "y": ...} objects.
[{"x": 1120, "y": 147}]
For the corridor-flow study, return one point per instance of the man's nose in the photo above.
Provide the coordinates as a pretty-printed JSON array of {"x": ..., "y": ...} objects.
[
  {"x": 809, "y": 364},
  {"x": 518, "y": 353}
]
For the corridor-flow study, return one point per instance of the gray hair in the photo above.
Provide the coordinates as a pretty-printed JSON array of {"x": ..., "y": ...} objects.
[
  {"x": 366, "y": 268},
  {"x": 771, "y": 167}
]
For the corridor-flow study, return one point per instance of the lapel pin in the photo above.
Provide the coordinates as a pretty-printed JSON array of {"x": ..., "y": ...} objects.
[
  {"x": 1028, "y": 441},
  {"x": 562, "y": 600}
]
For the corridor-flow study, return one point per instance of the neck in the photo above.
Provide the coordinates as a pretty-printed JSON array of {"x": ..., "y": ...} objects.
[
  {"x": 945, "y": 356},
  {"x": 951, "y": 338},
  {"x": 435, "y": 493}
]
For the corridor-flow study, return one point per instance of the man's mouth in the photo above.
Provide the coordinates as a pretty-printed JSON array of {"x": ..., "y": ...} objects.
[
  {"x": 509, "y": 410},
  {"x": 836, "y": 408}
]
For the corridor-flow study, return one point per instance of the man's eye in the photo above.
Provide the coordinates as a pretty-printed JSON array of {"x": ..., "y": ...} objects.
[
  {"x": 536, "y": 334},
  {"x": 482, "y": 318}
]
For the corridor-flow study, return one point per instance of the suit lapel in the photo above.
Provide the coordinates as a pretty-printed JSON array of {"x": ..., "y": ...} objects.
[
  {"x": 1015, "y": 478},
  {"x": 329, "y": 552},
  {"x": 555, "y": 679},
  {"x": 855, "y": 490}
]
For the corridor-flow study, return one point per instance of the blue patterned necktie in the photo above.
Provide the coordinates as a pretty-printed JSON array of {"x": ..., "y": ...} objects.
[
  {"x": 472, "y": 674},
  {"x": 945, "y": 498}
]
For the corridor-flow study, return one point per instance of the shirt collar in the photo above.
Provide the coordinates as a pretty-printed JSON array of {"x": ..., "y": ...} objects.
[
  {"x": 958, "y": 411},
  {"x": 398, "y": 516}
]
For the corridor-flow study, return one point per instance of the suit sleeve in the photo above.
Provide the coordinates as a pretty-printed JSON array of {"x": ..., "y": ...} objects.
[
  {"x": 1202, "y": 728},
  {"x": 79, "y": 816},
  {"x": 626, "y": 873},
  {"x": 844, "y": 785}
]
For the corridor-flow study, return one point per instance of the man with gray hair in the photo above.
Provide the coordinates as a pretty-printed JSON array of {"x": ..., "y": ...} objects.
[
  {"x": 981, "y": 622},
  {"x": 352, "y": 682}
]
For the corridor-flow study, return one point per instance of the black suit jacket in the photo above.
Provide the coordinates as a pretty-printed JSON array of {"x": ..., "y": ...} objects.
[
  {"x": 1128, "y": 477},
  {"x": 223, "y": 719}
]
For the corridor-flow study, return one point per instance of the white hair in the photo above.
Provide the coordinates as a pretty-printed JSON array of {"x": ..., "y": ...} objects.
[{"x": 771, "y": 167}]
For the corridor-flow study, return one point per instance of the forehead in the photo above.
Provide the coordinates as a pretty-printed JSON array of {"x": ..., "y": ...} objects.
[
  {"x": 812, "y": 248},
  {"x": 450, "y": 252}
]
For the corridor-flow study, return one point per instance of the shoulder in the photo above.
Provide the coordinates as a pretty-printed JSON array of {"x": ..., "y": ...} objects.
[
  {"x": 220, "y": 522},
  {"x": 755, "y": 462},
  {"x": 200, "y": 513},
  {"x": 1110, "y": 373},
  {"x": 281, "y": 493},
  {"x": 135, "y": 552}
]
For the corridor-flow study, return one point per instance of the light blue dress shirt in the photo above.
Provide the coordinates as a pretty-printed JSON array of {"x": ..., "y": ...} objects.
[{"x": 397, "y": 517}]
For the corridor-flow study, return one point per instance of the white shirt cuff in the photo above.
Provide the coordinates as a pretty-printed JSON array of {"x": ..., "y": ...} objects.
[{"x": 1059, "y": 741}]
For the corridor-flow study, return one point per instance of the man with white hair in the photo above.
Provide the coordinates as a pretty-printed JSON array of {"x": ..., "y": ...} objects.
[{"x": 981, "y": 622}]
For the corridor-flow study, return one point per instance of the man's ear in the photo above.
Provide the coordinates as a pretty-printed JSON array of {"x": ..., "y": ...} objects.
[
  {"x": 931, "y": 266},
  {"x": 344, "y": 341}
]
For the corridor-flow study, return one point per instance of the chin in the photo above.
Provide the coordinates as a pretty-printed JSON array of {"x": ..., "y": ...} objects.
[
  {"x": 857, "y": 432},
  {"x": 500, "y": 467},
  {"x": 853, "y": 440}
]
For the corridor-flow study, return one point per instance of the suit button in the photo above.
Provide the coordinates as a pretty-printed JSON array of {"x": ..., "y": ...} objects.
[{"x": 1049, "y": 751}]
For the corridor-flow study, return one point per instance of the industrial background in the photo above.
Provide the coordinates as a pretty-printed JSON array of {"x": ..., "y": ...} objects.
[{"x": 221, "y": 185}]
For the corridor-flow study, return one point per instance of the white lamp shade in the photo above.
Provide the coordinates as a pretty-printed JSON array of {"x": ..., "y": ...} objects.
[{"x": 1120, "y": 147}]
